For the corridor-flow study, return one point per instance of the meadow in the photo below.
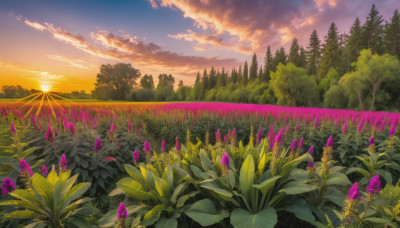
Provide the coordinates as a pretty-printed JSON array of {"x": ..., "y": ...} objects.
[{"x": 124, "y": 164}]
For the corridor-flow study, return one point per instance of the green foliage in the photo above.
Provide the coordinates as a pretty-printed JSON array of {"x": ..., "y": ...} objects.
[{"x": 52, "y": 202}]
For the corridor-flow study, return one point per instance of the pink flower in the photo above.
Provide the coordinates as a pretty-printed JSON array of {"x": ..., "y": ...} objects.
[
  {"x": 146, "y": 147},
  {"x": 97, "y": 145},
  {"x": 225, "y": 161},
  {"x": 177, "y": 145},
  {"x": 49, "y": 134},
  {"x": 344, "y": 128},
  {"x": 218, "y": 136},
  {"x": 163, "y": 146},
  {"x": 135, "y": 156},
  {"x": 13, "y": 129},
  {"x": 371, "y": 140},
  {"x": 329, "y": 143},
  {"x": 122, "y": 213},
  {"x": 63, "y": 162},
  {"x": 110, "y": 159},
  {"x": 301, "y": 142},
  {"x": 392, "y": 131},
  {"x": 24, "y": 167},
  {"x": 7, "y": 186},
  {"x": 71, "y": 128},
  {"x": 45, "y": 172},
  {"x": 311, "y": 150},
  {"x": 354, "y": 193},
  {"x": 374, "y": 185},
  {"x": 293, "y": 145}
]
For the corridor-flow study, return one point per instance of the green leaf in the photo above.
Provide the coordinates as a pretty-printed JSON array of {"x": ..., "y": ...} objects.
[
  {"x": 301, "y": 209},
  {"x": 42, "y": 187},
  {"x": 166, "y": 223},
  {"x": 294, "y": 188},
  {"x": 134, "y": 189},
  {"x": 266, "y": 185},
  {"x": 266, "y": 218},
  {"x": 377, "y": 220},
  {"x": 247, "y": 175},
  {"x": 153, "y": 215},
  {"x": 25, "y": 214},
  {"x": 205, "y": 213},
  {"x": 224, "y": 194},
  {"x": 134, "y": 173},
  {"x": 205, "y": 161},
  {"x": 288, "y": 167},
  {"x": 337, "y": 178},
  {"x": 177, "y": 191}
]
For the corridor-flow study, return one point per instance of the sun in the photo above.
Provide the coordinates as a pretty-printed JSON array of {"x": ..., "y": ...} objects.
[{"x": 45, "y": 88}]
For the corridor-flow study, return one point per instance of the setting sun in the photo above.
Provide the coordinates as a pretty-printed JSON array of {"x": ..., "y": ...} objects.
[{"x": 45, "y": 88}]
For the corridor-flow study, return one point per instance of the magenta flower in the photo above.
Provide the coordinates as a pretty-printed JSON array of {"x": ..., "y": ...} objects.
[
  {"x": 371, "y": 140},
  {"x": 110, "y": 159},
  {"x": 147, "y": 148},
  {"x": 392, "y": 131},
  {"x": 293, "y": 145},
  {"x": 279, "y": 137},
  {"x": 259, "y": 135},
  {"x": 225, "y": 161},
  {"x": 71, "y": 128},
  {"x": 271, "y": 134},
  {"x": 135, "y": 156},
  {"x": 344, "y": 128},
  {"x": 329, "y": 143},
  {"x": 163, "y": 146},
  {"x": 374, "y": 185},
  {"x": 13, "y": 129},
  {"x": 311, "y": 150},
  {"x": 360, "y": 126},
  {"x": 218, "y": 136},
  {"x": 301, "y": 142},
  {"x": 63, "y": 162},
  {"x": 97, "y": 144},
  {"x": 7, "y": 186},
  {"x": 24, "y": 167},
  {"x": 112, "y": 127},
  {"x": 49, "y": 134},
  {"x": 122, "y": 213},
  {"x": 354, "y": 193},
  {"x": 177, "y": 144},
  {"x": 45, "y": 172},
  {"x": 296, "y": 128},
  {"x": 55, "y": 132}
]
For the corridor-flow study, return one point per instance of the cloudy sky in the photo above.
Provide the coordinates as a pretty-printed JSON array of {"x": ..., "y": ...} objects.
[{"x": 63, "y": 43}]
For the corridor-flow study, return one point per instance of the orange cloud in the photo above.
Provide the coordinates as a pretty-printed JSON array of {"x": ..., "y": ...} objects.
[{"x": 74, "y": 62}]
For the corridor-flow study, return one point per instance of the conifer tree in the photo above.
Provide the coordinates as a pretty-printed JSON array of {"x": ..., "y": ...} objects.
[
  {"x": 330, "y": 52},
  {"x": 313, "y": 54},
  {"x": 268, "y": 61},
  {"x": 253, "y": 68},
  {"x": 392, "y": 35},
  {"x": 373, "y": 30},
  {"x": 294, "y": 53},
  {"x": 245, "y": 77}
]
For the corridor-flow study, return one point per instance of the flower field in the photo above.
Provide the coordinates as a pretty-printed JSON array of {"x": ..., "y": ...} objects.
[{"x": 197, "y": 165}]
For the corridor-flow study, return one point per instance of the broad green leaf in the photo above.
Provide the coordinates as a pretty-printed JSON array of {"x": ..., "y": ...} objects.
[
  {"x": 266, "y": 185},
  {"x": 153, "y": 215},
  {"x": 247, "y": 175},
  {"x": 267, "y": 218},
  {"x": 134, "y": 189},
  {"x": 224, "y": 194},
  {"x": 177, "y": 191},
  {"x": 134, "y": 173},
  {"x": 301, "y": 209},
  {"x": 205, "y": 213},
  {"x": 42, "y": 187},
  {"x": 166, "y": 223},
  {"x": 182, "y": 200},
  {"x": 337, "y": 178},
  {"x": 205, "y": 161}
]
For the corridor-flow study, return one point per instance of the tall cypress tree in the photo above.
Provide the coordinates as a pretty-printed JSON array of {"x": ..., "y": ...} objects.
[
  {"x": 245, "y": 77},
  {"x": 392, "y": 35},
  {"x": 294, "y": 53},
  {"x": 253, "y": 68},
  {"x": 373, "y": 30},
  {"x": 330, "y": 52},
  {"x": 268, "y": 64},
  {"x": 354, "y": 41},
  {"x": 313, "y": 54}
]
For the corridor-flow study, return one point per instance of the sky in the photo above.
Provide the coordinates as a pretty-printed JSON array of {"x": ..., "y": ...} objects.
[{"x": 61, "y": 44}]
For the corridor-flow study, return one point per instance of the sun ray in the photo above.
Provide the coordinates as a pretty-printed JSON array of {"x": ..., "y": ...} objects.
[
  {"x": 61, "y": 97},
  {"x": 56, "y": 102},
  {"x": 51, "y": 107},
  {"x": 26, "y": 103},
  {"x": 30, "y": 110},
  {"x": 40, "y": 105},
  {"x": 20, "y": 100}
]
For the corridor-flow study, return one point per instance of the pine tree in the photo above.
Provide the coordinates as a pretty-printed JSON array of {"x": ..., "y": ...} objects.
[
  {"x": 204, "y": 83},
  {"x": 303, "y": 58},
  {"x": 268, "y": 61},
  {"x": 253, "y": 67},
  {"x": 373, "y": 30},
  {"x": 234, "y": 76},
  {"x": 212, "y": 78},
  {"x": 281, "y": 57},
  {"x": 245, "y": 77},
  {"x": 330, "y": 52},
  {"x": 294, "y": 53},
  {"x": 392, "y": 35},
  {"x": 260, "y": 73},
  {"x": 196, "y": 94},
  {"x": 240, "y": 74},
  {"x": 354, "y": 41},
  {"x": 313, "y": 54}
]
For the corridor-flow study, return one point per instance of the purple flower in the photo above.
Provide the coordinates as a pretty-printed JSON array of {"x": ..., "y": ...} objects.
[
  {"x": 354, "y": 193},
  {"x": 24, "y": 167},
  {"x": 286, "y": 130},
  {"x": 135, "y": 156},
  {"x": 259, "y": 135},
  {"x": 112, "y": 127},
  {"x": 392, "y": 131},
  {"x": 296, "y": 128},
  {"x": 271, "y": 134},
  {"x": 146, "y": 147},
  {"x": 374, "y": 185},
  {"x": 12, "y": 129},
  {"x": 163, "y": 146},
  {"x": 344, "y": 128},
  {"x": 371, "y": 140},
  {"x": 218, "y": 136},
  {"x": 360, "y": 126},
  {"x": 71, "y": 128},
  {"x": 122, "y": 213},
  {"x": 177, "y": 144},
  {"x": 310, "y": 165},
  {"x": 7, "y": 186},
  {"x": 45, "y": 172},
  {"x": 63, "y": 162},
  {"x": 225, "y": 160},
  {"x": 279, "y": 137},
  {"x": 311, "y": 150},
  {"x": 301, "y": 142},
  {"x": 97, "y": 145},
  {"x": 49, "y": 134},
  {"x": 55, "y": 132},
  {"x": 329, "y": 143},
  {"x": 293, "y": 145}
]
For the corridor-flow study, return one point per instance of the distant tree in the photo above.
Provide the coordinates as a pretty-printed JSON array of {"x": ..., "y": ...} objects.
[
  {"x": 313, "y": 54},
  {"x": 280, "y": 57},
  {"x": 253, "y": 67},
  {"x": 294, "y": 53},
  {"x": 292, "y": 86},
  {"x": 330, "y": 52},
  {"x": 245, "y": 77},
  {"x": 115, "y": 81},
  {"x": 165, "y": 88},
  {"x": 240, "y": 74},
  {"x": 332, "y": 78},
  {"x": 392, "y": 35},
  {"x": 147, "y": 82},
  {"x": 14, "y": 91},
  {"x": 260, "y": 73},
  {"x": 204, "y": 83},
  {"x": 196, "y": 92},
  {"x": 268, "y": 63},
  {"x": 373, "y": 31},
  {"x": 303, "y": 58},
  {"x": 354, "y": 41},
  {"x": 212, "y": 79}
]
